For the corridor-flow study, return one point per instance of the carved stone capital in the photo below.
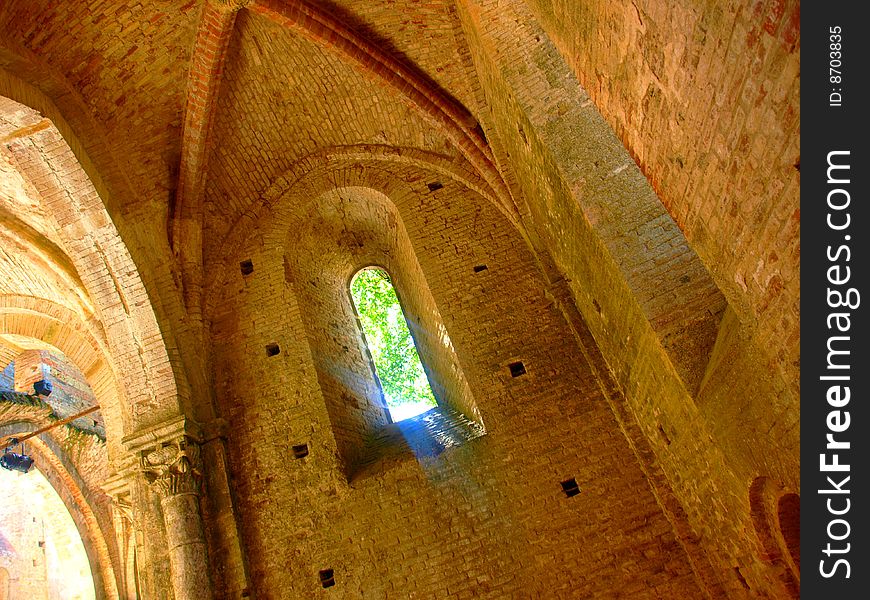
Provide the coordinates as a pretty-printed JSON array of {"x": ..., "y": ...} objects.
[{"x": 172, "y": 468}]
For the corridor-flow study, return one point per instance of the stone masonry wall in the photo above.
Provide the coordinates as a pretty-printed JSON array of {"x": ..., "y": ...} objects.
[
  {"x": 703, "y": 452},
  {"x": 661, "y": 73},
  {"x": 487, "y": 519},
  {"x": 70, "y": 393}
]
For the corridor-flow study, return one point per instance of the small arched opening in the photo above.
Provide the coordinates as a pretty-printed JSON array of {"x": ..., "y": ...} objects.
[{"x": 344, "y": 236}]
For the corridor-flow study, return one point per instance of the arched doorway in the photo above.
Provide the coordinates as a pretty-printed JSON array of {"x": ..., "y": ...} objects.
[{"x": 49, "y": 560}]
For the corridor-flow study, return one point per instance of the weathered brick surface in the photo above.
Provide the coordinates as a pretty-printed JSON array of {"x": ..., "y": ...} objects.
[
  {"x": 88, "y": 46},
  {"x": 366, "y": 230},
  {"x": 660, "y": 73},
  {"x": 457, "y": 525},
  {"x": 101, "y": 264},
  {"x": 732, "y": 71},
  {"x": 74, "y": 463},
  {"x": 658, "y": 400},
  {"x": 151, "y": 146},
  {"x": 300, "y": 127},
  {"x": 139, "y": 216}
]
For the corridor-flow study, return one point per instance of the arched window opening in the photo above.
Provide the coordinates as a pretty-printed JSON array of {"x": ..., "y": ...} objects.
[{"x": 403, "y": 380}]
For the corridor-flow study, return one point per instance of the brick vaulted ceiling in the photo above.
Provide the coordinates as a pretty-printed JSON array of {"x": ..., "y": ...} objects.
[
  {"x": 285, "y": 97},
  {"x": 127, "y": 61},
  {"x": 205, "y": 104}
]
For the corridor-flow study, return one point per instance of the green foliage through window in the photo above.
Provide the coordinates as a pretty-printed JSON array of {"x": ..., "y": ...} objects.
[{"x": 403, "y": 381}]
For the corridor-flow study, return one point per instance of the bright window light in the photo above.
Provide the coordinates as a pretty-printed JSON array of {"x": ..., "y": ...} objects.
[{"x": 403, "y": 380}]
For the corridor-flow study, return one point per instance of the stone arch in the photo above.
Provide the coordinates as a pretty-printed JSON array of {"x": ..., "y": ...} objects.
[
  {"x": 77, "y": 211},
  {"x": 58, "y": 327},
  {"x": 87, "y": 504}
]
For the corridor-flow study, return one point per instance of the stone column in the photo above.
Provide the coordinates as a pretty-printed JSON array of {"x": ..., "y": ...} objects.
[{"x": 173, "y": 470}]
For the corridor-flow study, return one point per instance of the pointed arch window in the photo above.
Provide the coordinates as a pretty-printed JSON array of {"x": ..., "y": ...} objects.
[{"x": 398, "y": 368}]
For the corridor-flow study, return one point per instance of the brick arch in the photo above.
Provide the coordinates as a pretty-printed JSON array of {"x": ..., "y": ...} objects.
[
  {"x": 286, "y": 212},
  {"x": 777, "y": 529},
  {"x": 60, "y": 328},
  {"x": 75, "y": 205},
  {"x": 401, "y": 183},
  {"x": 81, "y": 499},
  {"x": 390, "y": 170},
  {"x": 29, "y": 81},
  {"x": 311, "y": 243}
]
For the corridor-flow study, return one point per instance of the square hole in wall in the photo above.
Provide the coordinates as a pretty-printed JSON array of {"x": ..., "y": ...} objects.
[
  {"x": 272, "y": 349},
  {"x": 247, "y": 267},
  {"x": 327, "y": 578},
  {"x": 517, "y": 368},
  {"x": 570, "y": 487},
  {"x": 479, "y": 268},
  {"x": 434, "y": 186},
  {"x": 300, "y": 451}
]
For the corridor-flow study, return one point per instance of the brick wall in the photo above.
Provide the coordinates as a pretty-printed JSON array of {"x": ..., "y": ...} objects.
[
  {"x": 704, "y": 450},
  {"x": 462, "y": 524},
  {"x": 363, "y": 229},
  {"x": 660, "y": 73},
  {"x": 672, "y": 389},
  {"x": 706, "y": 98},
  {"x": 70, "y": 393}
]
